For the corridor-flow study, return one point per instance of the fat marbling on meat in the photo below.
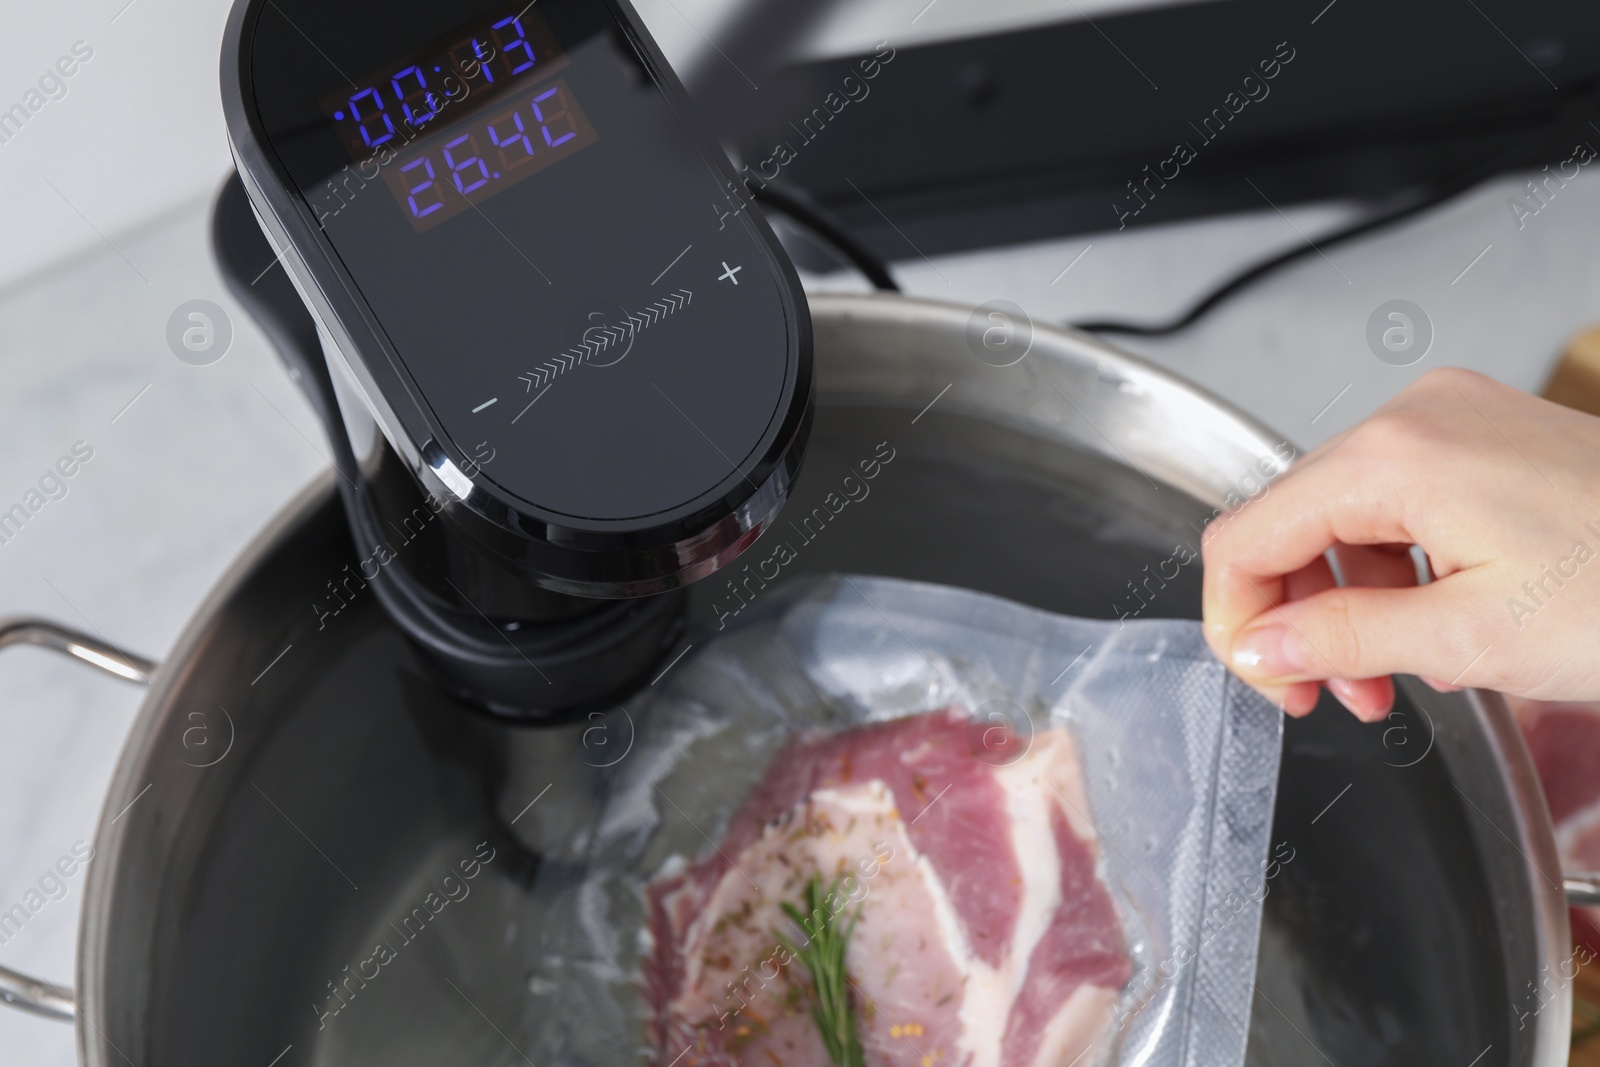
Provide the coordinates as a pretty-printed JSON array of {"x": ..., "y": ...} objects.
[{"x": 985, "y": 938}]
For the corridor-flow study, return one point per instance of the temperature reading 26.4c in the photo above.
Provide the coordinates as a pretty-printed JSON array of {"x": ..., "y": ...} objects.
[
  {"x": 474, "y": 159},
  {"x": 462, "y": 118}
]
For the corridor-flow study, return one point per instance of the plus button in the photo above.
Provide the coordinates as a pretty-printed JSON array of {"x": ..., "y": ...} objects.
[{"x": 728, "y": 273}]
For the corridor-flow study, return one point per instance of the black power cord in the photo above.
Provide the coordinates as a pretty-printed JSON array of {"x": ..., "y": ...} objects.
[
  {"x": 1430, "y": 197},
  {"x": 799, "y": 206},
  {"x": 1251, "y": 274}
]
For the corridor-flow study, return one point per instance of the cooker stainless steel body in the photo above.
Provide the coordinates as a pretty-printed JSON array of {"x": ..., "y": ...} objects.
[{"x": 298, "y": 786}]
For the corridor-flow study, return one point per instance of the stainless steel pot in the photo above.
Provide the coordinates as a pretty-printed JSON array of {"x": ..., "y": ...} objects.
[{"x": 294, "y": 786}]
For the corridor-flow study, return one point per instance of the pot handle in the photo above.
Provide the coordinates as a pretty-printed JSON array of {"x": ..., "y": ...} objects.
[
  {"x": 1583, "y": 888},
  {"x": 16, "y": 989}
]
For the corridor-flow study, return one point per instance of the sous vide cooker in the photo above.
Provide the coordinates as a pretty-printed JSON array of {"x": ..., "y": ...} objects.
[{"x": 543, "y": 317}]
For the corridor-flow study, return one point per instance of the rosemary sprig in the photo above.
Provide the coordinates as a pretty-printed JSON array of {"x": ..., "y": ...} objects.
[{"x": 832, "y": 1008}]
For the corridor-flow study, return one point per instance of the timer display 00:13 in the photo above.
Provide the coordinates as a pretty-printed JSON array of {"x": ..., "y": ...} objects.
[
  {"x": 479, "y": 155},
  {"x": 483, "y": 60}
]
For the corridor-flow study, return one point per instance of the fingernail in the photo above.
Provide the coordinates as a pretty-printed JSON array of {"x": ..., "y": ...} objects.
[
  {"x": 1300, "y": 699},
  {"x": 1369, "y": 700},
  {"x": 1346, "y": 693},
  {"x": 1270, "y": 651}
]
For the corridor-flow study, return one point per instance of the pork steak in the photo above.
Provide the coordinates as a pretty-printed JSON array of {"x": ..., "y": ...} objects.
[{"x": 983, "y": 937}]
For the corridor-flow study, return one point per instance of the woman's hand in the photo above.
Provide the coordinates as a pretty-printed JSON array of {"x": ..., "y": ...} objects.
[{"x": 1502, "y": 492}]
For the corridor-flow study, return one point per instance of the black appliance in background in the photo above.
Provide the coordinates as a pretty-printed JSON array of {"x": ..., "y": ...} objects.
[{"x": 1073, "y": 127}]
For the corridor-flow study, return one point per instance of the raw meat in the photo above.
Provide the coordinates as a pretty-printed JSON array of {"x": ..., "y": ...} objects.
[
  {"x": 984, "y": 939},
  {"x": 1565, "y": 742}
]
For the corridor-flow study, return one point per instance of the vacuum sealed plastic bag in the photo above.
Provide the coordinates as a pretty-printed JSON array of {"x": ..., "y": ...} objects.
[{"x": 890, "y": 823}]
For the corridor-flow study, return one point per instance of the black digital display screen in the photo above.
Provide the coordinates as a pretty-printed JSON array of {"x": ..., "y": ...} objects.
[
  {"x": 467, "y": 116},
  {"x": 605, "y": 304}
]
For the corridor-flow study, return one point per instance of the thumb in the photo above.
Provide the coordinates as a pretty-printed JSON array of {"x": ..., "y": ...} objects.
[{"x": 1354, "y": 633}]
